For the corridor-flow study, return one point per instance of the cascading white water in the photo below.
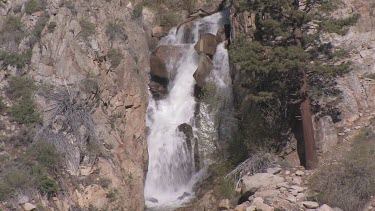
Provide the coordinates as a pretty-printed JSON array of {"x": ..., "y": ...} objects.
[{"x": 171, "y": 171}]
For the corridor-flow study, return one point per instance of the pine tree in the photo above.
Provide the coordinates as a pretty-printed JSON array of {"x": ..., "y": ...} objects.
[{"x": 286, "y": 66}]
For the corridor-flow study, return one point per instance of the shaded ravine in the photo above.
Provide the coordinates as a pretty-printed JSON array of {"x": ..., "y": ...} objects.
[{"x": 172, "y": 173}]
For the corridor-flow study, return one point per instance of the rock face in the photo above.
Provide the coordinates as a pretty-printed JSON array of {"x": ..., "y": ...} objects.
[
  {"x": 326, "y": 135},
  {"x": 165, "y": 56},
  {"x": 187, "y": 130},
  {"x": 203, "y": 71},
  {"x": 207, "y": 44},
  {"x": 112, "y": 102}
]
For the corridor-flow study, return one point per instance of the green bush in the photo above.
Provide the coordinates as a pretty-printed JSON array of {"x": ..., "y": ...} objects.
[
  {"x": 370, "y": 76},
  {"x": 48, "y": 186},
  {"x": 137, "y": 12},
  {"x": 115, "y": 57},
  {"x": 2, "y": 104},
  {"x": 12, "y": 180},
  {"x": 45, "y": 154},
  {"x": 39, "y": 26},
  {"x": 13, "y": 30},
  {"x": 19, "y": 87},
  {"x": 70, "y": 5},
  {"x": 114, "y": 30},
  {"x": 87, "y": 28},
  {"x": 18, "y": 60},
  {"x": 169, "y": 19},
  {"x": 24, "y": 112},
  {"x": 350, "y": 183},
  {"x": 32, "y": 6},
  {"x": 105, "y": 182}
]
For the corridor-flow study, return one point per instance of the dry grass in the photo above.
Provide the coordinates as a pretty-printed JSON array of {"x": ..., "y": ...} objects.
[{"x": 349, "y": 183}]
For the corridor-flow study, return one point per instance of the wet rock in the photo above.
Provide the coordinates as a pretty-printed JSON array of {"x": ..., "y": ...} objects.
[
  {"x": 153, "y": 200},
  {"x": 203, "y": 71},
  {"x": 187, "y": 130},
  {"x": 158, "y": 91},
  {"x": 197, "y": 156},
  {"x": 164, "y": 56},
  {"x": 260, "y": 180},
  {"x": 310, "y": 204},
  {"x": 184, "y": 196},
  {"x": 207, "y": 44},
  {"x": 221, "y": 35}
]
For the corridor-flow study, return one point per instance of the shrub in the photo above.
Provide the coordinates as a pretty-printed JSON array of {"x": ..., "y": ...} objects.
[
  {"x": 2, "y": 104},
  {"x": 19, "y": 87},
  {"x": 24, "y": 112},
  {"x": 45, "y": 154},
  {"x": 32, "y": 6},
  {"x": 17, "y": 8},
  {"x": 13, "y": 30},
  {"x": 114, "y": 30},
  {"x": 23, "y": 138},
  {"x": 18, "y": 60},
  {"x": 48, "y": 186},
  {"x": 169, "y": 19},
  {"x": 137, "y": 11},
  {"x": 105, "y": 182},
  {"x": 87, "y": 28},
  {"x": 12, "y": 180},
  {"x": 70, "y": 5},
  {"x": 39, "y": 26},
  {"x": 370, "y": 76},
  {"x": 115, "y": 57},
  {"x": 350, "y": 183}
]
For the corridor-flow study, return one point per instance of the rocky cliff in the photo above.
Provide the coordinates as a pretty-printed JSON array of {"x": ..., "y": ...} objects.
[{"x": 90, "y": 62}]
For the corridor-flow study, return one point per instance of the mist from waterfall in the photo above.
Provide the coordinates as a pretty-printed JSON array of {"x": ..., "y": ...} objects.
[{"x": 171, "y": 172}]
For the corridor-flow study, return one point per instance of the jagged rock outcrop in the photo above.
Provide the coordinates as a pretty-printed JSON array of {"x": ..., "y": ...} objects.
[
  {"x": 203, "y": 71},
  {"x": 163, "y": 56},
  {"x": 207, "y": 44},
  {"x": 93, "y": 111}
]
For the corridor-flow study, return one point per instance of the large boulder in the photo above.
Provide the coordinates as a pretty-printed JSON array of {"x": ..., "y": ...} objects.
[
  {"x": 326, "y": 134},
  {"x": 207, "y": 44},
  {"x": 163, "y": 57},
  {"x": 261, "y": 180},
  {"x": 158, "y": 90},
  {"x": 203, "y": 71}
]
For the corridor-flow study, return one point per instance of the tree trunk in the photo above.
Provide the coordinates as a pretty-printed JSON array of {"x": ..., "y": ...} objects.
[
  {"x": 308, "y": 129},
  {"x": 305, "y": 108}
]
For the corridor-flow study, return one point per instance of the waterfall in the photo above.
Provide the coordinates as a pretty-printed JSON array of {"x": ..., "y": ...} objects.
[{"x": 171, "y": 171}]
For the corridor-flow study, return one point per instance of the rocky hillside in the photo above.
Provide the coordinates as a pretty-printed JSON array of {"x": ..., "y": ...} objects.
[
  {"x": 88, "y": 62},
  {"x": 75, "y": 79}
]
